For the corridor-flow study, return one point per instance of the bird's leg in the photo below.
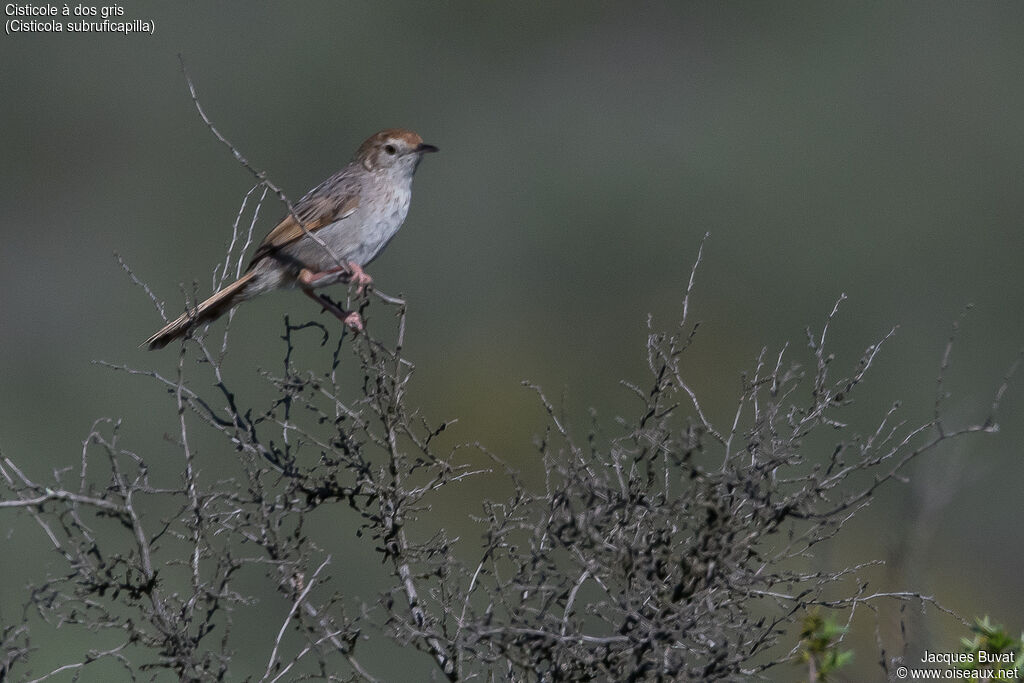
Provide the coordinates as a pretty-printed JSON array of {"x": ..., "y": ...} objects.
[
  {"x": 356, "y": 274},
  {"x": 351, "y": 319}
]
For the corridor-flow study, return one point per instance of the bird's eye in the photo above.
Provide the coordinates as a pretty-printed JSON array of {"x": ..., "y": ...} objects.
[{"x": 390, "y": 149}]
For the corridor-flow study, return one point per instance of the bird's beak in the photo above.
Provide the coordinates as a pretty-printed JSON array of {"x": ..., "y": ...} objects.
[{"x": 423, "y": 148}]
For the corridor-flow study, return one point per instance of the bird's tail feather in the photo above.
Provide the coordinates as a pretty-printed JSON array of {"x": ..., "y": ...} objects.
[{"x": 208, "y": 311}]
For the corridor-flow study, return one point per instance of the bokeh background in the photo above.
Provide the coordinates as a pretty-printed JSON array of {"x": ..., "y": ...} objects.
[{"x": 874, "y": 149}]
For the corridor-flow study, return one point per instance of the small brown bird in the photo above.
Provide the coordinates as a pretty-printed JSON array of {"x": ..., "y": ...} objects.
[{"x": 354, "y": 213}]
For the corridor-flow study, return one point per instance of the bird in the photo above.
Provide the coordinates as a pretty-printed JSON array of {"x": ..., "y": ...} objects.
[{"x": 334, "y": 231}]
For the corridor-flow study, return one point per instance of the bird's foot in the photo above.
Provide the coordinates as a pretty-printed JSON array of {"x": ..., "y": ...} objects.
[
  {"x": 360, "y": 277},
  {"x": 354, "y": 272},
  {"x": 351, "y": 319},
  {"x": 354, "y": 321}
]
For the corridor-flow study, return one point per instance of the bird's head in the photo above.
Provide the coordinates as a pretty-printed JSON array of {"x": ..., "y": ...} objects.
[{"x": 394, "y": 149}]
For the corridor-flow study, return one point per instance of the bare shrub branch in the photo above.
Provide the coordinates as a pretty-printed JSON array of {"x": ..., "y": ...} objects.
[{"x": 671, "y": 549}]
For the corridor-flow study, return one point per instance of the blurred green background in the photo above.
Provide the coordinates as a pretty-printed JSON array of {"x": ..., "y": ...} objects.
[{"x": 874, "y": 149}]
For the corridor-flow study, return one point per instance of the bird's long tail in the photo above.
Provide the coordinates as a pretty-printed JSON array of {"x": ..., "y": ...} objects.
[{"x": 208, "y": 311}]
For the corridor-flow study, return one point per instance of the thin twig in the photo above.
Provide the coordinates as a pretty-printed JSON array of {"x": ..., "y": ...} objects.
[
  {"x": 261, "y": 176},
  {"x": 291, "y": 615}
]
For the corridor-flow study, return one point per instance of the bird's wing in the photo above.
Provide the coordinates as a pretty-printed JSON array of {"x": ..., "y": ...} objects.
[{"x": 325, "y": 205}]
